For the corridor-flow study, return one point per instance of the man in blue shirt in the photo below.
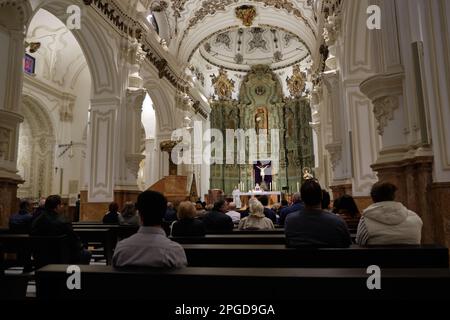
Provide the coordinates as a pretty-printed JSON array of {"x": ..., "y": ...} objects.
[
  {"x": 297, "y": 205},
  {"x": 314, "y": 227}
]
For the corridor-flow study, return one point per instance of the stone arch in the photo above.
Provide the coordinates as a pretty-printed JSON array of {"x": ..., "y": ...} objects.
[
  {"x": 92, "y": 38},
  {"x": 36, "y": 150},
  {"x": 165, "y": 119}
]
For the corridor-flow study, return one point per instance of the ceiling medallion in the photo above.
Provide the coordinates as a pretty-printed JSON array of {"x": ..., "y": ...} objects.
[
  {"x": 296, "y": 83},
  {"x": 223, "y": 87},
  {"x": 247, "y": 14}
]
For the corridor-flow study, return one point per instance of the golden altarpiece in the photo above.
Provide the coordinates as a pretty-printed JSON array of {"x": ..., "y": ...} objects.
[{"x": 261, "y": 105}]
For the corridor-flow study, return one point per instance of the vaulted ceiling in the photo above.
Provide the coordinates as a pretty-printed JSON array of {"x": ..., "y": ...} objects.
[{"x": 207, "y": 34}]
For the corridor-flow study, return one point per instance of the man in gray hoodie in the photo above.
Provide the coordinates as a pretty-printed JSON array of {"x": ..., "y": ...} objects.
[{"x": 387, "y": 222}]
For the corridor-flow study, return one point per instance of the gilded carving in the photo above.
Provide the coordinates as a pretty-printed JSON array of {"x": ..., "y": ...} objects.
[
  {"x": 247, "y": 14},
  {"x": 223, "y": 87},
  {"x": 296, "y": 83}
]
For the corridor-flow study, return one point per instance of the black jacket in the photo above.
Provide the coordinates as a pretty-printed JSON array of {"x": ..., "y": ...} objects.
[
  {"x": 188, "y": 228},
  {"x": 218, "y": 222},
  {"x": 316, "y": 228},
  {"x": 51, "y": 224}
]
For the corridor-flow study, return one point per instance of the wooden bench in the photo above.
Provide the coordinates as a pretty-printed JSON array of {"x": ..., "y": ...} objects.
[
  {"x": 278, "y": 256},
  {"x": 120, "y": 231},
  {"x": 93, "y": 237},
  {"x": 233, "y": 239},
  {"x": 44, "y": 250},
  {"x": 241, "y": 284}
]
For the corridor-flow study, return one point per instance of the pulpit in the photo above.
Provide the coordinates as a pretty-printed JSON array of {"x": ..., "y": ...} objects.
[{"x": 174, "y": 188}]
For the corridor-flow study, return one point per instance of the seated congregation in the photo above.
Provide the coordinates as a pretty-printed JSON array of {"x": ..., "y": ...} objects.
[{"x": 191, "y": 236}]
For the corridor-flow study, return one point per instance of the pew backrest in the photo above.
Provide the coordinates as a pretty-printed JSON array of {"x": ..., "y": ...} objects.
[
  {"x": 279, "y": 256},
  {"x": 269, "y": 284}
]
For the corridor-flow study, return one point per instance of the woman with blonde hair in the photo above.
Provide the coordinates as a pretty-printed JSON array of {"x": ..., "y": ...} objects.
[
  {"x": 129, "y": 215},
  {"x": 187, "y": 224},
  {"x": 256, "y": 219}
]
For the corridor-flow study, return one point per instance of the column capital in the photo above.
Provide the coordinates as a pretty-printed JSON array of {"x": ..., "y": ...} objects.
[{"x": 384, "y": 91}]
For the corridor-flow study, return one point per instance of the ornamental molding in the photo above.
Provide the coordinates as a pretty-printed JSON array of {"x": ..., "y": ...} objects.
[
  {"x": 335, "y": 151},
  {"x": 384, "y": 91},
  {"x": 383, "y": 109}
]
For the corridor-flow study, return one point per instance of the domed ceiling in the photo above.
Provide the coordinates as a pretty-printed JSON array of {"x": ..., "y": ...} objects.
[
  {"x": 207, "y": 35},
  {"x": 240, "y": 48}
]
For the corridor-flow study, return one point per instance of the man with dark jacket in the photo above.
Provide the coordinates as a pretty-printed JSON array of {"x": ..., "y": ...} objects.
[
  {"x": 50, "y": 223},
  {"x": 217, "y": 221},
  {"x": 21, "y": 221},
  {"x": 314, "y": 227},
  {"x": 297, "y": 205},
  {"x": 269, "y": 213}
]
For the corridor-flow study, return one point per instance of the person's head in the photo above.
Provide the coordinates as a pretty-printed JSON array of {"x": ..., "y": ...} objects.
[
  {"x": 152, "y": 207},
  {"x": 383, "y": 191},
  {"x": 296, "y": 197},
  {"x": 25, "y": 205},
  {"x": 264, "y": 200},
  {"x": 232, "y": 206},
  {"x": 220, "y": 205},
  {"x": 204, "y": 205},
  {"x": 326, "y": 200},
  {"x": 284, "y": 203},
  {"x": 42, "y": 202},
  {"x": 256, "y": 208},
  {"x": 198, "y": 206},
  {"x": 53, "y": 203},
  {"x": 311, "y": 194},
  {"x": 170, "y": 205},
  {"x": 209, "y": 207},
  {"x": 186, "y": 210},
  {"x": 347, "y": 204},
  {"x": 113, "y": 207},
  {"x": 128, "y": 209}
]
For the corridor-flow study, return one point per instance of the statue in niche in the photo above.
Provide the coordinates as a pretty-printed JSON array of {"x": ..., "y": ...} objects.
[{"x": 261, "y": 120}]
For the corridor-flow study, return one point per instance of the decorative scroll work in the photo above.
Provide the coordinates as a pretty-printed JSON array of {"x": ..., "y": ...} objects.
[
  {"x": 247, "y": 14},
  {"x": 383, "y": 109},
  {"x": 296, "y": 83},
  {"x": 223, "y": 87}
]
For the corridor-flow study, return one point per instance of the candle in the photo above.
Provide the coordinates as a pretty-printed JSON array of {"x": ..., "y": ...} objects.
[
  {"x": 271, "y": 186},
  {"x": 298, "y": 187}
]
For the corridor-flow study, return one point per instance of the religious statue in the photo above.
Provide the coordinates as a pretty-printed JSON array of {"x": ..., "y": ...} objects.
[
  {"x": 307, "y": 174},
  {"x": 257, "y": 187},
  {"x": 237, "y": 197},
  {"x": 263, "y": 171}
]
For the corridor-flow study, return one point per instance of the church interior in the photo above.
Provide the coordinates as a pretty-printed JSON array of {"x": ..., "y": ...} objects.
[{"x": 236, "y": 109}]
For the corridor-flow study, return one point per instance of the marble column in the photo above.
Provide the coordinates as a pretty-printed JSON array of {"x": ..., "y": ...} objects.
[{"x": 10, "y": 120}]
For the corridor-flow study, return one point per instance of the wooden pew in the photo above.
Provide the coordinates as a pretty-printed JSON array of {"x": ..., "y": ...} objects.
[
  {"x": 223, "y": 284},
  {"x": 120, "y": 231},
  {"x": 45, "y": 250},
  {"x": 278, "y": 256},
  {"x": 93, "y": 237},
  {"x": 233, "y": 239}
]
